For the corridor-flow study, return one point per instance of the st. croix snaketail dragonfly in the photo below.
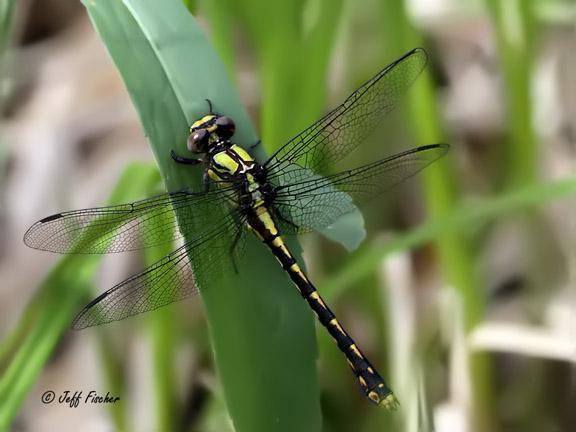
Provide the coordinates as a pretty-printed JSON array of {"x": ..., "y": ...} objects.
[{"x": 286, "y": 194}]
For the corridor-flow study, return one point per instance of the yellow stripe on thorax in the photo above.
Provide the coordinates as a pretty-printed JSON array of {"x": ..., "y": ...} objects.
[
  {"x": 223, "y": 159},
  {"x": 214, "y": 175},
  {"x": 242, "y": 153}
]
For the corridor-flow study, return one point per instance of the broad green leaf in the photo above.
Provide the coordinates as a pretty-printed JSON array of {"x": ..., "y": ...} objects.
[{"x": 262, "y": 332}]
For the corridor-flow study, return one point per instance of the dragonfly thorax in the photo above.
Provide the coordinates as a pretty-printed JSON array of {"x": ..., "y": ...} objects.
[{"x": 209, "y": 132}]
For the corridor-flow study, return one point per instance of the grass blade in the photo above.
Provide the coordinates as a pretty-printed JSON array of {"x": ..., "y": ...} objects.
[{"x": 261, "y": 330}]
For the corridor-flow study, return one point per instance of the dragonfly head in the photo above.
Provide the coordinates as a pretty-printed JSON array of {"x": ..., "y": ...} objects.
[{"x": 208, "y": 131}]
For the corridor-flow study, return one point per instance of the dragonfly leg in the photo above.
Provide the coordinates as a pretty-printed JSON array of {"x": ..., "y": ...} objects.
[
  {"x": 206, "y": 181},
  {"x": 184, "y": 160},
  {"x": 232, "y": 248}
]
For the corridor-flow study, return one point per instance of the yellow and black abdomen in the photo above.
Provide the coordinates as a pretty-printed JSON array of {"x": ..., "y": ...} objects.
[{"x": 374, "y": 387}]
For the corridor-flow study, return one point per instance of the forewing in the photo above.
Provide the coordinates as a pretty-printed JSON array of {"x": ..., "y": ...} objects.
[
  {"x": 308, "y": 202},
  {"x": 122, "y": 227},
  {"x": 341, "y": 130},
  {"x": 172, "y": 278}
]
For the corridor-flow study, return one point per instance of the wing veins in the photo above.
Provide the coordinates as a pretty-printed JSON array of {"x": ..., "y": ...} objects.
[{"x": 305, "y": 143}]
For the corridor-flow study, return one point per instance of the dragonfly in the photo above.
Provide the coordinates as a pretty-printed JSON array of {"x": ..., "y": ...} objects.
[{"x": 292, "y": 192}]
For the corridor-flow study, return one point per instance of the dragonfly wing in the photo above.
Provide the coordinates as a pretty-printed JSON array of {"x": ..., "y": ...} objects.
[
  {"x": 171, "y": 278},
  {"x": 344, "y": 128},
  {"x": 122, "y": 227},
  {"x": 308, "y": 202}
]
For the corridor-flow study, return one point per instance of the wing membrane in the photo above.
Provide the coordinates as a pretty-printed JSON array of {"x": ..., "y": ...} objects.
[
  {"x": 171, "y": 278},
  {"x": 315, "y": 202},
  {"x": 344, "y": 128},
  {"x": 123, "y": 227}
]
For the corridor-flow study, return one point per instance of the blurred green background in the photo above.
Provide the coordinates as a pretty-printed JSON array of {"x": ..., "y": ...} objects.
[{"x": 463, "y": 293}]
